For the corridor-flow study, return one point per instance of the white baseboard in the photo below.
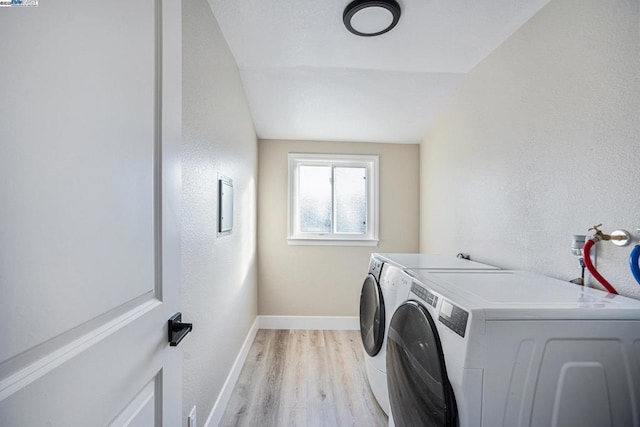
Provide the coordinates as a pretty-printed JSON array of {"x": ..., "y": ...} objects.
[
  {"x": 348, "y": 323},
  {"x": 215, "y": 416}
]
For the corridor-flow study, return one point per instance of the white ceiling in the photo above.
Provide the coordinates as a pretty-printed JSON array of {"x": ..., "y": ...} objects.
[{"x": 306, "y": 77}]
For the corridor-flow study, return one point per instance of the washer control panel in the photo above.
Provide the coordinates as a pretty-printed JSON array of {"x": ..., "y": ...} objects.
[
  {"x": 453, "y": 317},
  {"x": 427, "y": 296}
]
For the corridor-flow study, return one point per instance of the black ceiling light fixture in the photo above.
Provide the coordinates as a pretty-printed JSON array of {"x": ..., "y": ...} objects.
[{"x": 370, "y": 18}]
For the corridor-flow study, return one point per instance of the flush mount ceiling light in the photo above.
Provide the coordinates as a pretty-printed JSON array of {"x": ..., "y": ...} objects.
[{"x": 369, "y": 18}]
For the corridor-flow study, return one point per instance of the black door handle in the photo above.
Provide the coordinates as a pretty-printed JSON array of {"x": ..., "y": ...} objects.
[{"x": 177, "y": 329}]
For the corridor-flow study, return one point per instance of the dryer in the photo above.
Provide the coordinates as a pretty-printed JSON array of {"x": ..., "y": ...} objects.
[
  {"x": 507, "y": 348},
  {"x": 382, "y": 291},
  {"x": 372, "y": 309}
]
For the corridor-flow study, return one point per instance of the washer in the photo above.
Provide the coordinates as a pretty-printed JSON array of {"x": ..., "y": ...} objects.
[
  {"x": 382, "y": 291},
  {"x": 506, "y": 348}
]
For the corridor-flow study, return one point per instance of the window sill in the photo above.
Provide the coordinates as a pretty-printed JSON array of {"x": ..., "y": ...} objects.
[{"x": 331, "y": 242}]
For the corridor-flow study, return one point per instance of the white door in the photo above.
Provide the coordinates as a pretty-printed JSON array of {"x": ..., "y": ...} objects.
[{"x": 89, "y": 212}]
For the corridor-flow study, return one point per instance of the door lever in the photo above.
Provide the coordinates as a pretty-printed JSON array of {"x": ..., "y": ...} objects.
[{"x": 177, "y": 329}]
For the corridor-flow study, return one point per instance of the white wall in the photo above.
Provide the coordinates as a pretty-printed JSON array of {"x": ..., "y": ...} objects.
[
  {"x": 218, "y": 274},
  {"x": 541, "y": 141},
  {"x": 326, "y": 280}
]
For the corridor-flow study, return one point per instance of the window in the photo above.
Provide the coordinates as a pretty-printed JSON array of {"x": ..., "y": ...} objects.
[{"x": 333, "y": 199}]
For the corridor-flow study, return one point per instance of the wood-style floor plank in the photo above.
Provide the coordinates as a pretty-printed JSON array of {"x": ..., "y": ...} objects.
[{"x": 304, "y": 378}]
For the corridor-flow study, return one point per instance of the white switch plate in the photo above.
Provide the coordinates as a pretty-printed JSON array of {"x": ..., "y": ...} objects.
[{"x": 192, "y": 420}]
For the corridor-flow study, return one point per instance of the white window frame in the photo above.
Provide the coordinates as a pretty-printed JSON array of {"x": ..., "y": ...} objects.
[{"x": 370, "y": 163}]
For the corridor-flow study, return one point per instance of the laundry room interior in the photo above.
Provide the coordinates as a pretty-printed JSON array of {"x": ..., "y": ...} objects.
[{"x": 499, "y": 142}]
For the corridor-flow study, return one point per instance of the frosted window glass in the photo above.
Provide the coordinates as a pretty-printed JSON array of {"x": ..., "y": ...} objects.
[
  {"x": 314, "y": 199},
  {"x": 351, "y": 200}
]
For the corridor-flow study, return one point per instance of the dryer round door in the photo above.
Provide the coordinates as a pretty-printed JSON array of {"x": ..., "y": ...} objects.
[
  {"x": 371, "y": 316},
  {"x": 419, "y": 391}
]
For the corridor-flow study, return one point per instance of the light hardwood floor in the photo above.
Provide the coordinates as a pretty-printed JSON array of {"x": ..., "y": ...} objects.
[{"x": 304, "y": 378}]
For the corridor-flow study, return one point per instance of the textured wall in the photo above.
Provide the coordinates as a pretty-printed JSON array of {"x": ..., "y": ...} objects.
[
  {"x": 326, "y": 280},
  {"x": 218, "y": 274},
  {"x": 541, "y": 141}
]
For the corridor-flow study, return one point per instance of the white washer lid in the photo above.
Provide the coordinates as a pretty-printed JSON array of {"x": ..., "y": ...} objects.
[
  {"x": 520, "y": 295},
  {"x": 429, "y": 261}
]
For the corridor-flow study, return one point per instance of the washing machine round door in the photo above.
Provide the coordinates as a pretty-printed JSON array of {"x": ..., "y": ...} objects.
[
  {"x": 371, "y": 316},
  {"x": 419, "y": 391}
]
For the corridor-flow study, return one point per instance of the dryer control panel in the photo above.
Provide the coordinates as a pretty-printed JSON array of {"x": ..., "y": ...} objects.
[
  {"x": 375, "y": 267},
  {"x": 453, "y": 317}
]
